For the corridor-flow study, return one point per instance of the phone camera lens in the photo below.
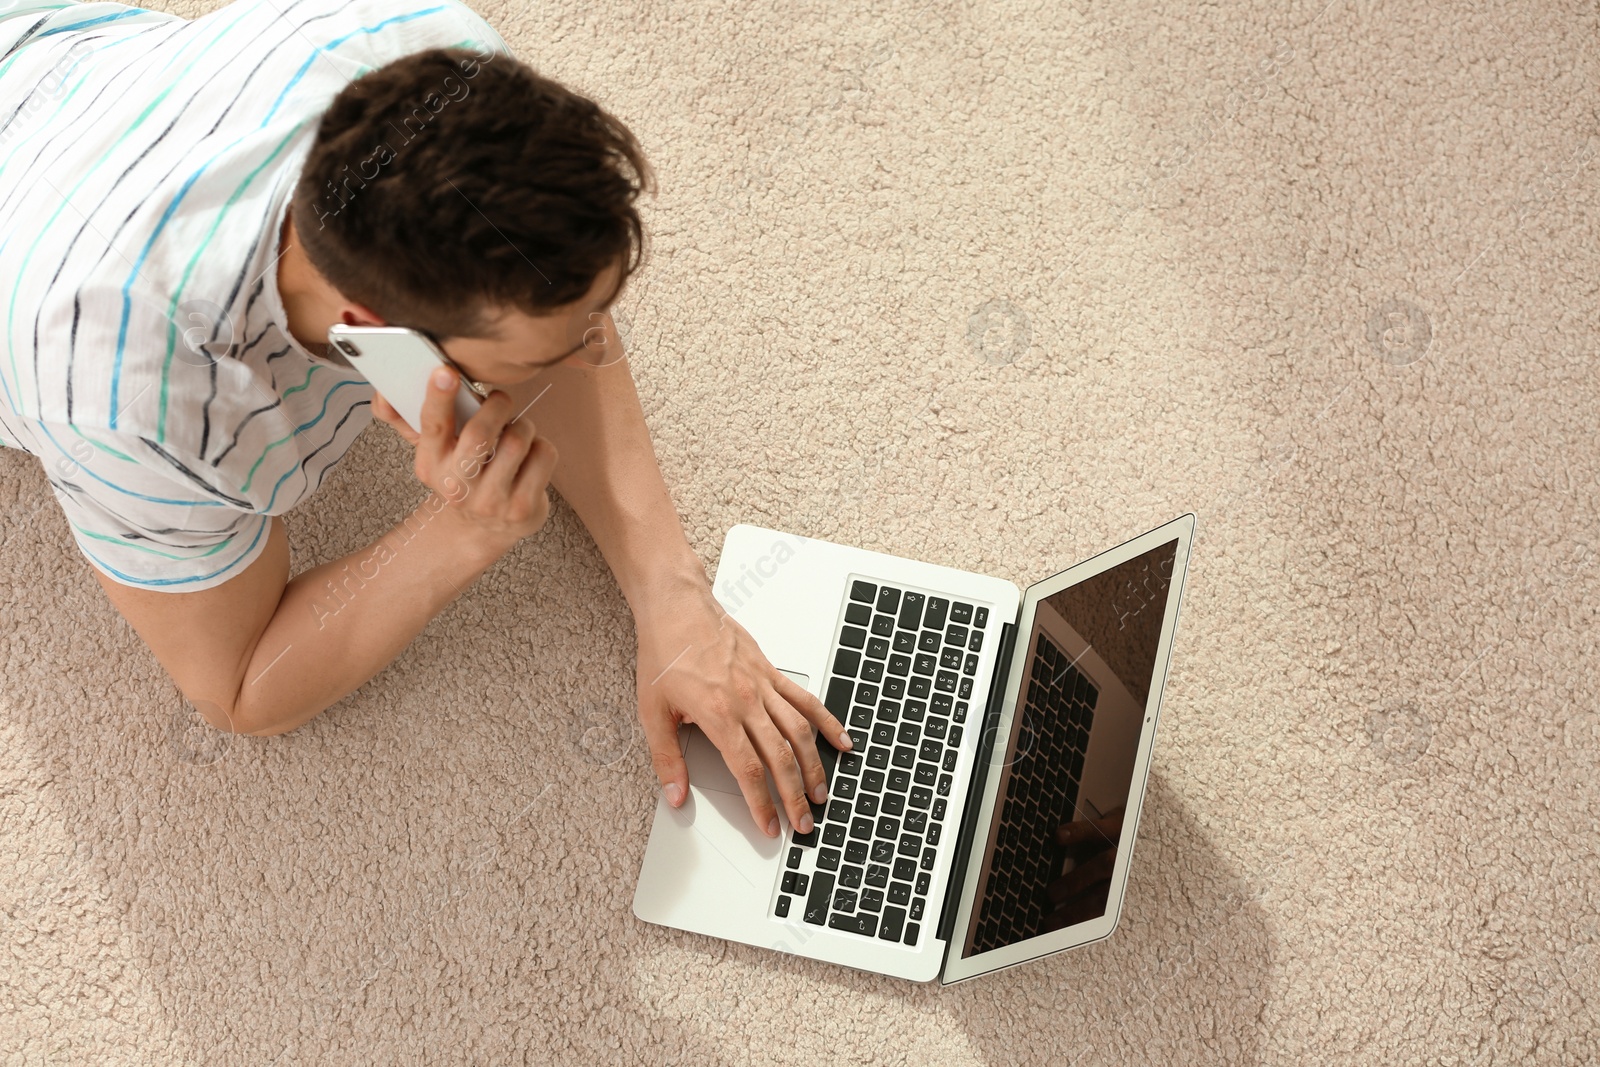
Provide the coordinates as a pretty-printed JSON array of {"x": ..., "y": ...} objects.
[{"x": 349, "y": 349}]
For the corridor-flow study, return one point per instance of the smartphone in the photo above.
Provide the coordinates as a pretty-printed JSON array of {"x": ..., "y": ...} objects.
[{"x": 398, "y": 362}]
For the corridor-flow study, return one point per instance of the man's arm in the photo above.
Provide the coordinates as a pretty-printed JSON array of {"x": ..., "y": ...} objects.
[{"x": 695, "y": 664}]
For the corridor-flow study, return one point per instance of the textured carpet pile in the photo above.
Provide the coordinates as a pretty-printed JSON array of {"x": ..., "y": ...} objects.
[{"x": 996, "y": 285}]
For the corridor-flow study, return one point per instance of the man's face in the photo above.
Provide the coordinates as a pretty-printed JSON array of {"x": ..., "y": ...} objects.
[{"x": 526, "y": 344}]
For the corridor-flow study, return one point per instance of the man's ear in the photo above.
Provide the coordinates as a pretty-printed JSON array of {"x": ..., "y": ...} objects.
[{"x": 360, "y": 315}]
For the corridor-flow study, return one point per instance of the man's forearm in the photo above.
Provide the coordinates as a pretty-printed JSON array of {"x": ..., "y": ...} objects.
[
  {"x": 609, "y": 474},
  {"x": 342, "y": 622}
]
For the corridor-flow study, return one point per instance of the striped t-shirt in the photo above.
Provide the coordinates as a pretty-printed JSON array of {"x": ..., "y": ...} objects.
[{"x": 146, "y": 165}]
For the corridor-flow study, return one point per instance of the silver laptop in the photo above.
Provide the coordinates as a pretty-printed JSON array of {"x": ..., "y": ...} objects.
[{"x": 986, "y": 814}]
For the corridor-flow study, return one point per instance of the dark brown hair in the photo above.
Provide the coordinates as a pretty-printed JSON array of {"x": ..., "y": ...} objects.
[{"x": 448, "y": 183}]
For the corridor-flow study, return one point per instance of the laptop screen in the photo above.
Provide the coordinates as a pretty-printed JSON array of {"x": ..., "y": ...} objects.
[{"x": 1065, "y": 775}]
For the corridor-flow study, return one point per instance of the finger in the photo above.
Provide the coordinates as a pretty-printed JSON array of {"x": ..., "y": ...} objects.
[
  {"x": 815, "y": 711},
  {"x": 383, "y": 411},
  {"x": 797, "y": 732},
  {"x": 500, "y": 472},
  {"x": 748, "y": 770},
  {"x": 438, "y": 438},
  {"x": 784, "y": 766},
  {"x": 537, "y": 467},
  {"x": 661, "y": 734}
]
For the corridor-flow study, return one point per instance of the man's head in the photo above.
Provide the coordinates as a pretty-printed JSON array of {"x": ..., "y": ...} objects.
[{"x": 476, "y": 201}]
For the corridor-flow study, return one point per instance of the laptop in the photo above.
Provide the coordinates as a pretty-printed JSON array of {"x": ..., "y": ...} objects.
[{"x": 986, "y": 815}]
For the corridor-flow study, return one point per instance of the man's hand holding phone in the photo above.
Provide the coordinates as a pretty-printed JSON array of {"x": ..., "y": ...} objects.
[{"x": 495, "y": 474}]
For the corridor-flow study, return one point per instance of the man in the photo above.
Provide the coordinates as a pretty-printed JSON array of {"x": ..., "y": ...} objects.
[{"x": 187, "y": 206}]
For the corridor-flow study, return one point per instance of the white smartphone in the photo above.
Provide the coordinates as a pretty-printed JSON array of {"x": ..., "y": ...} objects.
[{"x": 397, "y": 361}]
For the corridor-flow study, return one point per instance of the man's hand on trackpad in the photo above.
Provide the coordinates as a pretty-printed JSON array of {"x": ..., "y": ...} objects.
[{"x": 696, "y": 664}]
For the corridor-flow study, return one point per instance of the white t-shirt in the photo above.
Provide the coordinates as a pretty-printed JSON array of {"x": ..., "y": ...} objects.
[{"x": 146, "y": 165}]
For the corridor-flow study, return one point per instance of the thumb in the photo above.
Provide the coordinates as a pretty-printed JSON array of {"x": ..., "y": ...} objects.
[{"x": 661, "y": 733}]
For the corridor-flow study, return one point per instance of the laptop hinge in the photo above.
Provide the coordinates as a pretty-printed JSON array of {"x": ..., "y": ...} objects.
[{"x": 969, "y": 817}]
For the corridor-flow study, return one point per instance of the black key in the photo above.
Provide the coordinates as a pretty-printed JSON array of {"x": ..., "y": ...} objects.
[
  {"x": 872, "y": 671},
  {"x": 866, "y": 694},
  {"x": 865, "y": 592},
  {"x": 877, "y": 648},
  {"x": 788, "y": 885},
  {"x": 932, "y": 749},
  {"x": 878, "y": 756},
  {"x": 883, "y": 625},
  {"x": 794, "y": 857},
  {"x": 950, "y": 659},
  {"x": 808, "y": 840},
  {"x": 937, "y": 726},
  {"x": 844, "y": 900},
  {"x": 878, "y": 875},
  {"x": 938, "y": 809},
  {"x": 976, "y": 644},
  {"x": 894, "y": 688},
  {"x": 924, "y": 774},
  {"x": 904, "y": 641},
  {"x": 871, "y": 900},
  {"x": 946, "y": 682},
  {"x": 889, "y": 599},
  {"x": 894, "y": 804},
  {"x": 872, "y": 782},
  {"x": 838, "y": 811},
  {"x": 944, "y": 785},
  {"x": 1077, "y": 765},
  {"x": 929, "y": 855},
  {"x": 935, "y": 832},
  {"x": 832, "y": 834},
  {"x": 909, "y": 733},
  {"x": 846, "y": 662},
  {"x": 828, "y": 860},
  {"x": 955, "y": 736},
  {"x": 882, "y": 850},
  {"x": 817, "y": 900},
  {"x": 857, "y": 614},
  {"x": 855, "y": 852},
  {"x": 899, "y": 665},
  {"x": 950, "y": 758},
  {"x": 861, "y": 717},
  {"x": 905, "y": 868},
  {"x": 904, "y": 756},
  {"x": 961, "y": 613},
  {"x": 849, "y": 762},
  {"x": 911, "y": 611},
  {"x": 920, "y": 797},
  {"x": 913, "y": 931},
  {"x": 980, "y": 618},
  {"x": 918, "y": 687},
  {"x": 899, "y": 781},
  {"x": 837, "y": 698},
  {"x": 929, "y": 642},
  {"x": 955, "y": 635},
  {"x": 853, "y": 637},
  {"x": 915, "y": 710},
  {"x": 888, "y": 829},
  {"x": 782, "y": 910},
  {"x": 910, "y": 844},
  {"x": 900, "y": 893},
  {"x": 893, "y": 919},
  {"x": 867, "y": 805},
  {"x": 970, "y": 667},
  {"x": 925, "y": 664},
  {"x": 864, "y": 923},
  {"x": 861, "y": 829},
  {"x": 850, "y": 876},
  {"x": 916, "y": 908},
  {"x": 961, "y": 711},
  {"x": 883, "y": 734},
  {"x": 964, "y": 690},
  {"x": 801, "y": 881},
  {"x": 922, "y": 882},
  {"x": 916, "y": 822},
  {"x": 888, "y": 710},
  {"x": 937, "y": 607}
]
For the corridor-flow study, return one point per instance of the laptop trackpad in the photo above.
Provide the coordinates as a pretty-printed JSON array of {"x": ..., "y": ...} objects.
[{"x": 707, "y": 768}]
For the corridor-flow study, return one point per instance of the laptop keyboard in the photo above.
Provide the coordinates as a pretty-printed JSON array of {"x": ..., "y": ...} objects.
[
  {"x": 901, "y": 678},
  {"x": 1041, "y": 794}
]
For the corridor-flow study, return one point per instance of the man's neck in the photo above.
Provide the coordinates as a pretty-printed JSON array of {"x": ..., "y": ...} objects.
[{"x": 308, "y": 300}]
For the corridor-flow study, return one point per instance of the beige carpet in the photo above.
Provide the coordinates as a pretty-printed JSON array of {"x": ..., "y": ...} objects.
[{"x": 997, "y": 285}]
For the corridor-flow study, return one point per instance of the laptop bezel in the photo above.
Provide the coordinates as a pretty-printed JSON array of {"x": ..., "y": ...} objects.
[{"x": 957, "y": 968}]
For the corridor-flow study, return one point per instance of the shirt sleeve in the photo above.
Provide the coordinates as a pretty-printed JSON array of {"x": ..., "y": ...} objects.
[{"x": 148, "y": 516}]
